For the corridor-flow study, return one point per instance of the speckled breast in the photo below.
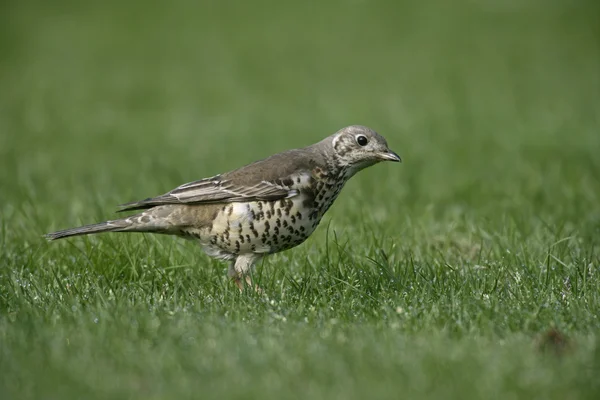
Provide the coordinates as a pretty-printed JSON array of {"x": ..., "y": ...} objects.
[{"x": 268, "y": 226}]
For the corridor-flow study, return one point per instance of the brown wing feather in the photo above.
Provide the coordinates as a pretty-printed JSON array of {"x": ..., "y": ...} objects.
[{"x": 265, "y": 180}]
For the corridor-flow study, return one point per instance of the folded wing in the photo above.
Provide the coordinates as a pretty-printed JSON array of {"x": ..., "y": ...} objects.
[
  {"x": 277, "y": 177},
  {"x": 215, "y": 190}
]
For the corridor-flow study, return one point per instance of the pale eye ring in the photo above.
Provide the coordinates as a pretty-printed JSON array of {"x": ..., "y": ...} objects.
[{"x": 362, "y": 140}]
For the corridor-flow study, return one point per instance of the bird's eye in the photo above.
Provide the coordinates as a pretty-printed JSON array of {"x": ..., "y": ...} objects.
[{"x": 362, "y": 140}]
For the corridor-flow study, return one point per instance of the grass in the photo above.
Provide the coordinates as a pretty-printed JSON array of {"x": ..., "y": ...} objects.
[{"x": 470, "y": 271}]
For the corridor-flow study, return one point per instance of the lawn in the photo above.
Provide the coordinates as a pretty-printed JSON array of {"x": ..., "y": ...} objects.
[{"x": 472, "y": 270}]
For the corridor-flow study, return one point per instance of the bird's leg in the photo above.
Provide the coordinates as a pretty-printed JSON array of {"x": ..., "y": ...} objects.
[
  {"x": 239, "y": 282},
  {"x": 235, "y": 276},
  {"x": 239, "y": 271}
]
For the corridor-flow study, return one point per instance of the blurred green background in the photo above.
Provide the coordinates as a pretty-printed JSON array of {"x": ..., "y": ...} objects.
[{"x": 436, "y": 278}]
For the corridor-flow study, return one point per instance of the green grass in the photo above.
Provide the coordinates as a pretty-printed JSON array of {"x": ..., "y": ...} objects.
[{"x": 437, "y": 278}]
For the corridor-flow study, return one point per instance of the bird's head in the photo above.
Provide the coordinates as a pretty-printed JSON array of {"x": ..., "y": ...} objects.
[{"x": 357, "y": 147}]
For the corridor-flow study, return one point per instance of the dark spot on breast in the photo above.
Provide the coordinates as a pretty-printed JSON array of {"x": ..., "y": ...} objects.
[
  {"x": 278, "y": 222},
  {"x": 309, "y": 202},
  {"x": 229, "y": 210},
  {"x": 254, "y": 231},
  {"x": 260, "y": 205},
  {"x": 269, "y": 214},
  {"x": 293, "y": 219},
  {"x": 285, "y": 223},
  {"x": 298, "y": 215},
  {"x": 267, "y": 226}
]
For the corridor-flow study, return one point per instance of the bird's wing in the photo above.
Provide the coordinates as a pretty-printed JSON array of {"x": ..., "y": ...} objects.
[
  {"x": 215, "y": 190},
  {"x": 277, "y": 177}
]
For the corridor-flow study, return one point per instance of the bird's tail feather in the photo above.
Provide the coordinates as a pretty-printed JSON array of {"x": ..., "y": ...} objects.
[
  {"x": 108, "y": 226},
  {"x": 155, "y": 220}
]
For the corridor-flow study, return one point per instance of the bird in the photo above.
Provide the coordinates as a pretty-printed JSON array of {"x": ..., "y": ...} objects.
[{"x": 259, "y": 209}]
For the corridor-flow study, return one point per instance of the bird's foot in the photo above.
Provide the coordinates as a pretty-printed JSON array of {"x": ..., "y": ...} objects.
[{"x": 246, "y": 281}]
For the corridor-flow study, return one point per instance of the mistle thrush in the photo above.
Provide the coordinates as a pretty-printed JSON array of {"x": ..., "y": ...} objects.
[{"x": 263, "y": 208}]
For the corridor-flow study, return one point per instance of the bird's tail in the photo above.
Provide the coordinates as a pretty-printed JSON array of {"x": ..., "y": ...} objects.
[
  {"x": 108, "y": 226},
  {"x": 144, "y": 222}
]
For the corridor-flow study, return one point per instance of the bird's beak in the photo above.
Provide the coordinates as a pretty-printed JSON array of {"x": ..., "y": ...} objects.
[{"x": 389, "y": 156}]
